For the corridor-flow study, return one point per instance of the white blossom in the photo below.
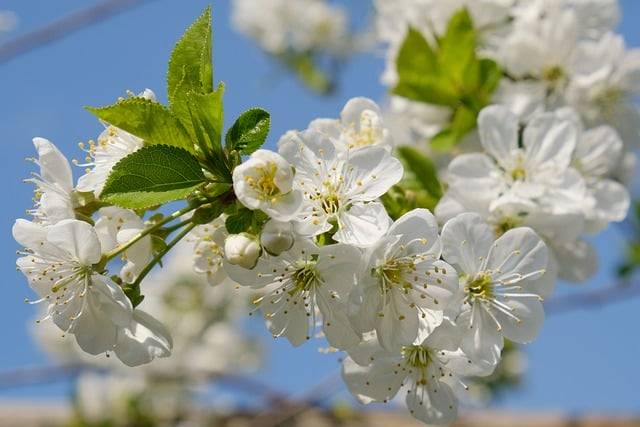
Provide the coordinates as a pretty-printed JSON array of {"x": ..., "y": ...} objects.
[
  {"x": 208, "y": 249},
  {"x": 59, "y": 264},
  {"x": 265, "y": 182},
  {"x": 54, "y": 199},
  {"x": 427, "y": 369},
  {"x": 113, "y": 145},
  {"x": 340, "y": 193},
  {"x": 302, "y": 25},
  {"x": 299, "y": 281},
  {"x": 607, "y": 85},
  {"x": 404, "y": 282},
  {"x": 360, "y": 125},
  {"x": 502, "y": 281}
]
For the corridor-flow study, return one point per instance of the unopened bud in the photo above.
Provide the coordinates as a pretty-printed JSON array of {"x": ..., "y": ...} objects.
[
  {"x": 242, "y": 249},
  {"x": 277, "y": 237}
]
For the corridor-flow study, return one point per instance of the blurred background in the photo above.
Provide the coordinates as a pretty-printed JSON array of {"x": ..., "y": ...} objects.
[{"x": 584, "y": 362}]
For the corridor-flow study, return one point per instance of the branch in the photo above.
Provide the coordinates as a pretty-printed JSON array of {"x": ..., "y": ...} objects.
[
  {"x": 620, "y": 291},
  {"x": 65, "y": 26}
]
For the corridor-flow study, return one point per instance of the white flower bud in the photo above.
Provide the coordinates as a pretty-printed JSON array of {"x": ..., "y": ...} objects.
[
  {"x": 277, "y": 237},
  {"x": 242, "y": 249}
]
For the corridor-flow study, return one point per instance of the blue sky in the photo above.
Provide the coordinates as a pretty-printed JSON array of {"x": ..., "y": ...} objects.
[{"x": 583, "y": 361}]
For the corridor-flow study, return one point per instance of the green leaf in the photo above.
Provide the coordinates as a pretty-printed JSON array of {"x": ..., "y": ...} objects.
[
  {"x": 416, "y": 57},
  {"x": 206, "y": 116},
  {"x": 151, "y": 176},
  {"x": 427, "y": 89},
  {"x": 145, "y": 119},
  {"x": 190, "y": 66},
  {"x": 458, "y": 46},
  {"x": 422, "y": 169},
  {"x": 133, "y": 293},
  {"x": 464, "y": 120},
  {"x": 249, "y": 131},
  {"x": 240, "y": 221}
]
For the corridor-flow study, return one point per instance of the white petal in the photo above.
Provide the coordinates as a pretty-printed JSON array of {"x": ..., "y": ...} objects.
[
  {"x": 114, "y": 303},
  {"x": 531, "y": 315},
  {"x": 418, "y": 224},
  {"x": 29, "y": 234},
  {"x": 378, "y": 382},
  {"x": 598, "y": 152},
  {"x": 397, "y": 325},
  {"x": 363, "y": 224},
  {"x": 143, "y": 340},
  {"x": 466, "y": 240},
  {"x": 433, "y": 403},
  {"x": 374, "y": 172},
  {"x": 286, "y": 318},
  {"x": 498, "y": 128},
  {"x": 338, "y": 264},
  {"x": 78, "y": 238},
  {"x": 335, "y": 324},
  {"x": 549, "y": 138},
  {"x": 612, "y": 204},
  {"x": 54, "y": 166},
  {"x": 519, "y": 252},
  {"x": 481, "y": 340},
  {"x": 577, "y": 261}
]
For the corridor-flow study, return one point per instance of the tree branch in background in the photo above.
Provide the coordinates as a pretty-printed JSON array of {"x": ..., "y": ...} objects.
[{"x": 65, "y": 26}]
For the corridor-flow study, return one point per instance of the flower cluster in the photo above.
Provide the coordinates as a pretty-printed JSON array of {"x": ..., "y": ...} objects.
[
  {"x": 332, "y": 233},
  {"x": 556, "y": 152},
  {"x": 279, "y": 26},
  {"x": 414, "y": 307},
  {"x": 64, "y": 256}
]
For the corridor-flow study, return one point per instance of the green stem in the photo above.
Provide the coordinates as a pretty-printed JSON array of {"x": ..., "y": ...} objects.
[
  {"x": 177, "y": 226},
  {"x": 119, "y": 249},
  {"x": 156, "y": 259}
]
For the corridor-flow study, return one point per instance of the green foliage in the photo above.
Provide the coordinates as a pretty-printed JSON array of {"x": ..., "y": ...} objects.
[
  {"x": 133, "y": 293},
  {"x": 422, "y": 169},
  {"x": 419, "y": 187},
  {"x": 240, "y": 221},
  {"x": 190, "y": 67},
  {"x": 206, "y": 120},
  {"x": 448, "y": 74},
  {"x": 151, "y": 176},
  {"x": 146, "y": 119},
  {"x": 249, "y": 131}
]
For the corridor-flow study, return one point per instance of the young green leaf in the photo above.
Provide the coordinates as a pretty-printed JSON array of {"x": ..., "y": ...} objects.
[
  {"x": 240, "y": 221},
  {"x": 191, "y": 70},
  {"x": 422, "y": 169},
  {"x": 146, "y": 119},
  {"x": 151, "y": 176},
  {"x": 416, "y": 57},
  {"x": 249, "y": 131},
  {"x": 206, "y": 117},
  {"x": 190, "y": 66},
  {"x": 457, "y": 48}
]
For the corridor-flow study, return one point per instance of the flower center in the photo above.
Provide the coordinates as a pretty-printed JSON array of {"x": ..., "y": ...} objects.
[
  {"x": 264, "y": 181},
  {"x": 369, "y": 133},
  {"x": 331, "y": 203},
  {"x": 416, "y": 356},
  {"x": 553, "y": 74},
  {"x": 306, "y": 277},
  {"x": 607, "y": 99},
  {"x": 392, "y": 272},
  {"x": 505, "y": 224},
  {"x": 76, "y": 272},
  {"x": 480, "y": 287}
]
